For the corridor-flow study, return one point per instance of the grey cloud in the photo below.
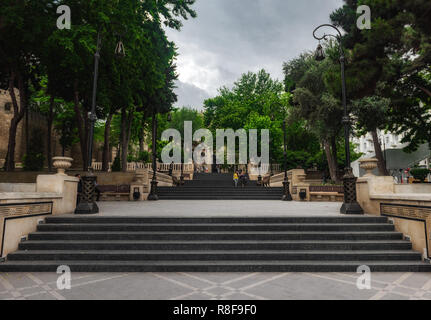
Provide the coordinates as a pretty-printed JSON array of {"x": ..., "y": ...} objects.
[
  {"x": 190, "y": 95},
  {"x": 231, "y": 37}
]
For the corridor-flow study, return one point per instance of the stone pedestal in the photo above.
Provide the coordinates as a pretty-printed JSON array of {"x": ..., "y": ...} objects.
[
  {"x": 87, "y": 203},
  {"x": 350, "y": 205},
  {"x": 61, "y": 184},
  {"x": 140, "y": 185}
]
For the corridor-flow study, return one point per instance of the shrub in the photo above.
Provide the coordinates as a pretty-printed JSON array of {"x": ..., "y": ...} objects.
[
  {"x": 144, "y": 156},
  {"x": 420, "y": 173},
  {"x": 116, "y": 165}
]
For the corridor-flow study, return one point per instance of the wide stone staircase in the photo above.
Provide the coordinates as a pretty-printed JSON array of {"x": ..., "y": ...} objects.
[
  {"x": 218, "y": 186},
  {"x": 231, "y": 244}
]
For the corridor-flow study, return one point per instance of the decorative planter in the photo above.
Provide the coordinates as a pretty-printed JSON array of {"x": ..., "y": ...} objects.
[
  {"x": 368, "y": 165},
  {"x": 62, "y": 164}
]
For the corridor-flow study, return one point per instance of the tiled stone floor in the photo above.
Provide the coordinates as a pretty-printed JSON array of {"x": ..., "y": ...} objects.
[{"x": 216, "y": 286}]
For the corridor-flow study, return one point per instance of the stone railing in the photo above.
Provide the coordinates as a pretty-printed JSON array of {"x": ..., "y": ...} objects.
[
  {"x": 23, "y": 205},
  {"x": 407, "y": 205},
  {"x": 338, "y": 189},
  {"x": 302, "y": 190},
  {"x": 163, "y": 167}
]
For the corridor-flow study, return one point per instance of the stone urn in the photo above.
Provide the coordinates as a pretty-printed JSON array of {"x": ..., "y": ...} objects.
[
  {"x": 368, "y": 165},
  {"x": 62, "y": 164}
]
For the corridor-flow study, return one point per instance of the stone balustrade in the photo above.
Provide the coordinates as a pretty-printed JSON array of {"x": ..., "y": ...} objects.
[
  {"x": 163, "y": 167},
  {"x": 22, "y": 205},
  {"x": 407, "y": 205}
]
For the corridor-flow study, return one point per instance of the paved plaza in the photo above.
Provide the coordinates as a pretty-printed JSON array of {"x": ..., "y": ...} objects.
[
  {"x": 216, "y": 286},
  {"x": 218, "y": 208}
]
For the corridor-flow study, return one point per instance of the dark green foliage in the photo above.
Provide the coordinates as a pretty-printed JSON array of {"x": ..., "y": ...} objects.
[
  {"x": 116, "y": 165},
  {"x": 144, "y": 156},
  {"x": 420, "y": 173},
  {"x": 392, "y": 60}
]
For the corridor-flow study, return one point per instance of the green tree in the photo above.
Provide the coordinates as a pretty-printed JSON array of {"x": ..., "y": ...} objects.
[
  {"x": 309, "y": 80},
  {"x": 370, "y": 115},
  {"x": 23, "y": 26},
  {"x": 392, "y": 60}
]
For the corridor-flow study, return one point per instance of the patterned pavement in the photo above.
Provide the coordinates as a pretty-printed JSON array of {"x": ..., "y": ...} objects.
[{"x": 215, "y": 286}]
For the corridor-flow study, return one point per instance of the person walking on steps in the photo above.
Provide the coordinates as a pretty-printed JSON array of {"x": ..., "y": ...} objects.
[
  {"x": 243, "y": 179},
  {"x": 235, "y": 178}
]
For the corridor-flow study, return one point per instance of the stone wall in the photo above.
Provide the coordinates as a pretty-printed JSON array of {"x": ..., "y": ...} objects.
[
  {"x": 408, "y": 206},
  {"x": 32, "y": 121}
]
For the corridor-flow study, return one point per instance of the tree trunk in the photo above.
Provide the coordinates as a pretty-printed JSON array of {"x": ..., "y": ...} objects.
[
  {"x": 106, "y": 144},
  {"x": 381, "y": 164},
  {"x": 49, "y": 137},
  {"x": 19, "y": 111},
  {"x": 126, "y": 126},
  {"x": 335, "y": 157},
  {"x": 10, "y": 156},
  {"x": 124, "y": 144},
  {"x": 141, "y": 139},
  {"x": 332, "y": 165},
  {"x": 81, "y": 127}
]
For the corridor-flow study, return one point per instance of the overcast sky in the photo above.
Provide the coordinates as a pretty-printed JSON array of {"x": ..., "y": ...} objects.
[{"x": 231, "y": 37}]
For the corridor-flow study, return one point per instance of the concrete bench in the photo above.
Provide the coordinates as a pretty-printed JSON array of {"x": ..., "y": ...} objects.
[{"x": 114, "y": 192}]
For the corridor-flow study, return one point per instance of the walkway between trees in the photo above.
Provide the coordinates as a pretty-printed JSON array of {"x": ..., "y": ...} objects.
[{"x": 218, "y": 186}]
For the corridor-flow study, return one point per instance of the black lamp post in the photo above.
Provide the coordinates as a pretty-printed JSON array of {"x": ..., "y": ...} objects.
[
  {"x": 182, "y": 169},
  {"x": 286, "y": 191},
  {"x": 87, "y": 204},
  {"x": 153, "y": 193},
  {"x": 350, "y": 205}
]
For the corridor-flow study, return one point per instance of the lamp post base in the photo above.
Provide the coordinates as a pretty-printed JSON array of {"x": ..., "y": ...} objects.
[
  {"x": 153, "y": 194},
  {"x": 286, "y": 194},
  {"x": 87, "y": 205},
  {"x": 351, "y": 208},
  {"x": 87, "y": 208},
  {"x": 350, "y": 205}
]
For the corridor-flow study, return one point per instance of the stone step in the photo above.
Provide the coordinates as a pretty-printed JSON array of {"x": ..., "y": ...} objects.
[
  {"x": 177, "y": 255},
  {"x": 214, "y": 266},
  {"x": 215, "y": 197},
  {"x": 216, "y": 245},
  {"x": 251, "y": 186},
  {"x": 268, "y": 235},
  {"x": 243, "y": 220},
  {"x": 254, "y": 190},
  {"x": 216, "y": 227}
]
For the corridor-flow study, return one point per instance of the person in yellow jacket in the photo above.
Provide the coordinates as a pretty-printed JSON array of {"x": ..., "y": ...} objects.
[{"x": 235, "y": 178}]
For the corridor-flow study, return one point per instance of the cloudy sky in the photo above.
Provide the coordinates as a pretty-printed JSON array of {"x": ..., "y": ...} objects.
[{"x": 231, "y": 37}]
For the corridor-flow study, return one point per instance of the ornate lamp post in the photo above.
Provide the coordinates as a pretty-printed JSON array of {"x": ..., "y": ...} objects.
[
  {"x": 286, "y": 191},
  {"x": 350, "y": 205},
  {"x": 88, "y": 205},
  {"x": 153, "y": 193}
]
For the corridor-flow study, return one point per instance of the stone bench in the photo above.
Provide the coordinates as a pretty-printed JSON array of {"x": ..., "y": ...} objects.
[
  {"x": 326, "y": 196},
  {"x": 114, "y": 192}
]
